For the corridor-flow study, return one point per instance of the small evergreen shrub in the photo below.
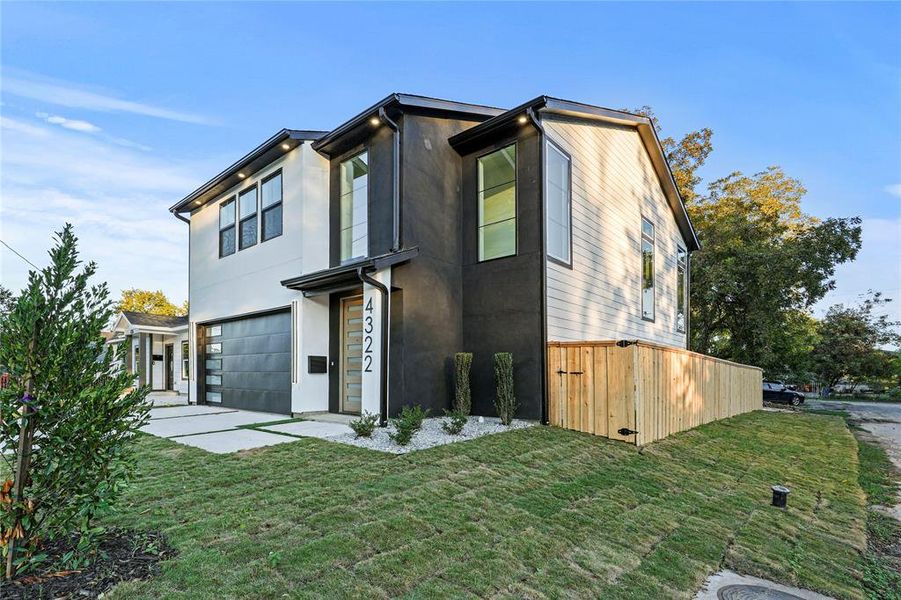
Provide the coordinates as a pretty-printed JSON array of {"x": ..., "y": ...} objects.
[
  {"x": 456, "y": 420},
  {"x": 407, "y": 423},
  {"x": 505, "y": 401},
  {"x": 365, "y": 425},
  {"x": 462, "y": 394}
]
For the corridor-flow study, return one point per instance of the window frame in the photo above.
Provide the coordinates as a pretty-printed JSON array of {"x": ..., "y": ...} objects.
[
  {"x": 681, "y": 263},
  {"x": 233, "y": 199},
  {"x": 263, "y": 211},
  {"x": 653, "y": 240},
  {"x": 349, "y": 156},
  {"x": 185, "y": 360},
  {"x": 515, "y": 218},
  {"x": 569, "y": 203},
  {"x": 256, "y": 213}
]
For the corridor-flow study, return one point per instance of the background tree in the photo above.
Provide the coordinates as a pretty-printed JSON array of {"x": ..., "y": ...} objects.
[
  {"x": 153, "y": 302},
  {"x": 851, "y": 341},
  {"x": 763, "y": 262},
  {"x": 66, "y": 421},
  {"x": 6, "y": 300}
]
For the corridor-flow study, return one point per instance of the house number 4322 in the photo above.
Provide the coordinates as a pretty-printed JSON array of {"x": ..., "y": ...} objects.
[{"x": 367, "y": 339}]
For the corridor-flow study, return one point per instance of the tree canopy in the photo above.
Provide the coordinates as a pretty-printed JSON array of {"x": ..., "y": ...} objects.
[
  {"x": 763, "y": 262},
  {"x": 149, "y": 301}
]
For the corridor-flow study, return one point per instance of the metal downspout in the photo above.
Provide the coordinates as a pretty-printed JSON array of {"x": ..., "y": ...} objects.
[
  {"x": 395, "y": 177},
  {"x": 383, "y": 375},
  {"x": 541, "y": 209}
]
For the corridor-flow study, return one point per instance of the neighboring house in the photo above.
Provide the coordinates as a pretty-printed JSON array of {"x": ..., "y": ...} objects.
[
  {"x": 340, "y": 271},
  {"x": 157, "y": 349}
]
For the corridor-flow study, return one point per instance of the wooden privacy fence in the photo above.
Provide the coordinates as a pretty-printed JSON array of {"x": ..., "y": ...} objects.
[{"x": 642, "y": 392}]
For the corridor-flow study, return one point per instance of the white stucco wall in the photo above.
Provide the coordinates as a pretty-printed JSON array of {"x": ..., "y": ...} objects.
[
  {"x": 250, "y": 280},
  {"x": 614, "y": 185}
]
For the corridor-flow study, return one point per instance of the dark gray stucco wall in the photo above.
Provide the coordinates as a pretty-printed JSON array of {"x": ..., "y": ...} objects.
[{"x": 502, "y": 303}]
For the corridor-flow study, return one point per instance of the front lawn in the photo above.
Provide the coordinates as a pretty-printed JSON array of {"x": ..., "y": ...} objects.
[{"x": 530, "y": 513}]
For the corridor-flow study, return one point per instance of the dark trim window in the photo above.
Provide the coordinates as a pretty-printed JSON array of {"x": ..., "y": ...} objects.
[
  {"x": 497, "y": 203},
  {"x": 185, "y": 359},
  {"x": 247, "y": 212},
  {"x": 681, "y": 287},
  {"x": 227, "y": 227},
  {"x": 354, "y": 205},
  {"x": 558, "y": 205},
  {"x": 271, "y": 206},
  {"x": 647, "y": 270}
]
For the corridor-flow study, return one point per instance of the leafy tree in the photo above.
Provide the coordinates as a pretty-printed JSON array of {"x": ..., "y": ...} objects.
[
  {"x": 66, "y": 421},
  {"x": 6, "y": 300},
  {"x": 762, "y": 261},
  {"x": 850, "y": 340},
  {"x": 153, "y": 302}
]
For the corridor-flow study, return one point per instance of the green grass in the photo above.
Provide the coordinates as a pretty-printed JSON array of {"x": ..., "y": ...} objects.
[{"x": 540, "y": 512}]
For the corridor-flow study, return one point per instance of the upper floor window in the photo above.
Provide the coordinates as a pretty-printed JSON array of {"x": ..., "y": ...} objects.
[
  {"x": 247, "y": 226},
  {"x": 227, "y": 227},
  {"x": 354, "y": 218},
  {"x": 681, "y": 287},
  {"x": 558, "y": 194},
  {"x": 271, "y": 206},
  {"x": 647, "y": 270},
  {"x": 497, "y": 203}
]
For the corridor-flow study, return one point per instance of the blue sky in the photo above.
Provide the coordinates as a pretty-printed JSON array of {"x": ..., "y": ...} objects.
[{"x": 112, "y": 112}]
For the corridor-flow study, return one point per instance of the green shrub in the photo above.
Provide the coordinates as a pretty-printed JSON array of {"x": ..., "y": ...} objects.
[
  {"x": 505, "y": 400},
  {"x": 78, "y": 427},
  {"x": 407, "y": 423},
  {"x": 462, "y": 394},
  {"x": 455, "y": 421},
  {"x": 894, "y": 394},
  {"x": 365, "y": 425}
]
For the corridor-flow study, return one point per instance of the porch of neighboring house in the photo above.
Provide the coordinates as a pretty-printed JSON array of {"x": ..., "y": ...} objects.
[{"x": 157, "y": 352}]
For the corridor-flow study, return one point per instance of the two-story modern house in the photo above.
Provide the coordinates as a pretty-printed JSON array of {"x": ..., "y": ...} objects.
[{"x": 340, "y": 271}]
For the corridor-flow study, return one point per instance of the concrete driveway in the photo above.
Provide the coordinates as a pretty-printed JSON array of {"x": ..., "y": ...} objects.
[{"x": 224, "y": 430}]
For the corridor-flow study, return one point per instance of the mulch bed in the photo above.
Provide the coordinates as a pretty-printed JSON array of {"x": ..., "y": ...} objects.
[{"x": 123, "y": 555}]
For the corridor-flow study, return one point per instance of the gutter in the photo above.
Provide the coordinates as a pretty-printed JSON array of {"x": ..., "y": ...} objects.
[
  {"x": 383, "y": 375},
  {"x": 395, "y": 176},
  {"x": 180, "y": 217},
  {"x": 542, "y": 142}
]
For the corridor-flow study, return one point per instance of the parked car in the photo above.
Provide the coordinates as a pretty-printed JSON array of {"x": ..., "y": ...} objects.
[{"x": 776, "y": 391}]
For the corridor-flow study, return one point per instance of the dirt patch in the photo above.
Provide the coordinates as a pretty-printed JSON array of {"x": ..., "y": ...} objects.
[{"x": 122, "y": 556}]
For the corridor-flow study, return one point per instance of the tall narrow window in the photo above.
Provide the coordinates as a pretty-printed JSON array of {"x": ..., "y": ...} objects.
[
  {"x": 247, "y": 226},
  {"x": 497, "y": 204},
  {"x": 227, "y": 228},
  {"x": 647, "y": 270},
  {"x": 271, "y": 206},
  {"x": 354, "y": 222},
  {"x": 681, "y": 287},
  {"x": 185, "y": 359},
  {"x": 558, "y": 195}
]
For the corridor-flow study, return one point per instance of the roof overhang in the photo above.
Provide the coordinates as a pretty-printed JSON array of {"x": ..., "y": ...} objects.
[
  {"x": 484, "y": 133},
  {"x": 266, "y": 153},
  {"x": 353, "y": 131},
  {"x": 346, "y": 277}
]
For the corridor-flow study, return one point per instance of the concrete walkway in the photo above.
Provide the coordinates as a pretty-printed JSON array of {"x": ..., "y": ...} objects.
[{"x": 224, "y": 430}]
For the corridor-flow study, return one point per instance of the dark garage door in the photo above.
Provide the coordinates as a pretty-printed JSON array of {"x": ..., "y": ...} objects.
[{"x": 248, "y": 363}]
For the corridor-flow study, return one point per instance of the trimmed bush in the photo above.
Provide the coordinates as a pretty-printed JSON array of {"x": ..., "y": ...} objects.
[
  {"x": 365, "y": 425},
  {"x": 505, "y": 400},
  {"x": 462, "y": 393},
  {"x": 455, "y": 422},
  {"x": 407, "y": 423}
]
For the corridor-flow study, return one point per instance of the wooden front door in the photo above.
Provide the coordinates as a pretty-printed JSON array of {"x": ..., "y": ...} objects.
[{"x": 351, "y": 354}]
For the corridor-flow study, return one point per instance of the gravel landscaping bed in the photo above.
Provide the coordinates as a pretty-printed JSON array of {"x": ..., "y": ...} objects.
[{"x": 431, "y": 434}]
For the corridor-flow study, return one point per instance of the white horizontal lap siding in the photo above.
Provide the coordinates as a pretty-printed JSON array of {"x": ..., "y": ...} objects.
[{"x": 613, "y": 185}]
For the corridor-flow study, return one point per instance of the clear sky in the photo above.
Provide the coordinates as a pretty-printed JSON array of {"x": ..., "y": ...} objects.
[{"x": 112, "y": 112}]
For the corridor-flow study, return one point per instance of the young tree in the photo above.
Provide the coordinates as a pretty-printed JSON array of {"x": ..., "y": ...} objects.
[
  {"x": 148, "y": 301},
  {"x": 850, "y": 341},
  {"x": 66, "y": 423}
]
